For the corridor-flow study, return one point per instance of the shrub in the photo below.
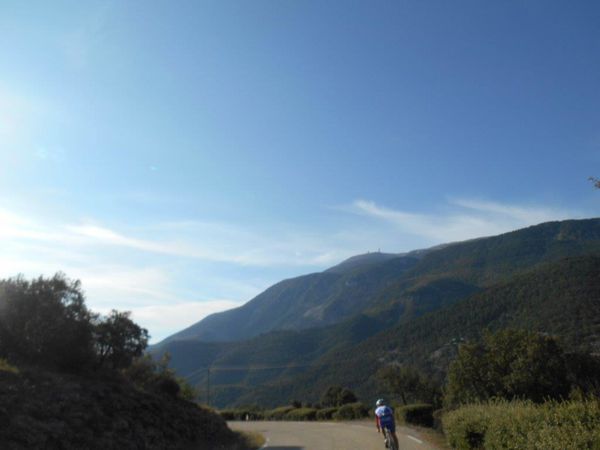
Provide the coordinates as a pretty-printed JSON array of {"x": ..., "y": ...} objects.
[
  {"x": 351, "y": 411},
  {"x": 278, "y": 413},
  {"x": 337, "y": 396},
  {"x": 302, "y": 414},
  {"x": 509, "y": 364},
  {"x": 326, "y": 413},
  {"x": 118, "y": 340},
  {"x": 522, "y": 425},
  {"x": 45, "y": 323},
  {"x": 418, "y": 414},
  {"x": 228, "y": 414},
  {"x": 41, "y": 319},
  {"x": 241, "y": 413},
  {"x": 465, "y": 428},
  {"x": 6, "y": 367},
  {"x": 152, "y": 375},
  {"x": 438, "y": 415},
  {"x": 167, "y": 386}
]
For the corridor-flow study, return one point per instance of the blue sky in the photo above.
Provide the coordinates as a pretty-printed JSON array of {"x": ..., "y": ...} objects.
[{"x": 180, "y": 157}]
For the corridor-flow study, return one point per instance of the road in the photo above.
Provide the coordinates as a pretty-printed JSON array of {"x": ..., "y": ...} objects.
[{"x": 328, "y": 436}]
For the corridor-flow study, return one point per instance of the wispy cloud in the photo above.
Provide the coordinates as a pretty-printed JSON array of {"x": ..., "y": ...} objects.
[
  {"x": 465, "y": 219},
  {"x": 170, "y": 273}
]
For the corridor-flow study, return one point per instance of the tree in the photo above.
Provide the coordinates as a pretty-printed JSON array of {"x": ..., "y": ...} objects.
[
  {"x": 337, "y": 396},
  {"x": 409, "y": 384},
  {"x": 119, "y": 340},
  {"x": 45, "y": 322},
  {"x": 509, "y": 364},
  {"x": 596, "y": 182},
  {"x": 155, "y": 375}
]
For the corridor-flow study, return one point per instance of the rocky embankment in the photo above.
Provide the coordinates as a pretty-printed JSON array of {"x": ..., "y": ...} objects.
[{"x": 50, "y": 411}]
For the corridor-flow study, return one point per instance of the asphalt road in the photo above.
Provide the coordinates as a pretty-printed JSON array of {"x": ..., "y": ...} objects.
[{"x": 328, "y": 436}]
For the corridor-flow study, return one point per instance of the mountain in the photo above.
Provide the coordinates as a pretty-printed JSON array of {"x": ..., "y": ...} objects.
[
  {"x": 410, "y": 308},
  {"x": 560, "y": 298},
  {"x": 312, "y": 300}
]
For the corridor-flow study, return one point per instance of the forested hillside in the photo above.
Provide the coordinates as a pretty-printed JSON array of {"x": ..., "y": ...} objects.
[{"x": 531, "y": 278}]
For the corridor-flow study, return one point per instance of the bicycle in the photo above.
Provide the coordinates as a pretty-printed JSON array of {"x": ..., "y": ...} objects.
[{"x": 389, "y": 439}]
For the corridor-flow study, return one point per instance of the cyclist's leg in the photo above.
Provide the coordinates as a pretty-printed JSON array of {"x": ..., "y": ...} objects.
[
  {"x": 395, "y": 438},
  {"x": 392, "y": 430}
]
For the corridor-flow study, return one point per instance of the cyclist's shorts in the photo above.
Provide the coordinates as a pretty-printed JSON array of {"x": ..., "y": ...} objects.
[{"x": 389, "y": 425}]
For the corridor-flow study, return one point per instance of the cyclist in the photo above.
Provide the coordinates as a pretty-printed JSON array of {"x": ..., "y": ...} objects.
[{"x": 384, "y": 415}]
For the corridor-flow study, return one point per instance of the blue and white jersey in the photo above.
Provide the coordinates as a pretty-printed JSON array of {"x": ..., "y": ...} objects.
[{"x": 385, "y": 414}]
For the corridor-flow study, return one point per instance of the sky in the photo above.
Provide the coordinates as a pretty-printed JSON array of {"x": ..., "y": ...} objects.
[{"x": 181, "y": 157}]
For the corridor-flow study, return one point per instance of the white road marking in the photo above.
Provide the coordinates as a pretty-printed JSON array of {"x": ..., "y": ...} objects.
[{"x": 414, "y": 439}]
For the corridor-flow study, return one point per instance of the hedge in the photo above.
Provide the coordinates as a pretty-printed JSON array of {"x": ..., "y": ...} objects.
[
  {"x": 240, "y": 414},
  {"x": 522, "y": 425},
  {"x": 302, "y": 414},
  {"x": 326, "y": 413},
  {"x": 351, "y": 411},
  {"x": 278, "y": 413},
  {"x": 417, "y": 414}
]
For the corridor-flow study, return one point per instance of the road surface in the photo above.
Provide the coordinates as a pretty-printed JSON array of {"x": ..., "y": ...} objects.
[{"x": 358, "y": 435}]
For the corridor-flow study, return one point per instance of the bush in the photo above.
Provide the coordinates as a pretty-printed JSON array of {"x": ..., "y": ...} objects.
[
  {"x": 151, "y": 375},
  {"x": 351, "y": 411},
  {"x": 6, "y": 367},
  {"x": 278, "y": 413},
  {"x": 118, "y": 340},
  {"x": 326, "y": 413},
  {"x": 510, "y": 364},
  {"x": 45, "y": 322},
  {"x": 241, "y": 413},
  {"x": 167, "y": 386},
  {"x": 418, "y": 414},
  {"x": 302, "y": 414},
  {"x": 522, "y": 425},
  {"x": 337, "y": 396}
]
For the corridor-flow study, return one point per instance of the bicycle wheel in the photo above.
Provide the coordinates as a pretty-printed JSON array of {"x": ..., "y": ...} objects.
[{"x": 390, "y": 439}]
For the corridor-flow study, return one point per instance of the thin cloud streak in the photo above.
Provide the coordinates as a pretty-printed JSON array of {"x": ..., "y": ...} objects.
[{"x": 468, "y": 219}]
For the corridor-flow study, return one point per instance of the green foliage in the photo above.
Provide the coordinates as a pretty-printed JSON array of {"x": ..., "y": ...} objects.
[
  {"x": 417, "y": 414},
  {"x": 409, "y": 384},
  {"x": 278, "y": 413},
  {"x": 118, "y": 340},
  {"x": 155, "y": 375},
  {"x": 351, "y": 411},
  {"x": 508, "y": 364},
  {"x": 326, "y": 413},
  {"x": 6, "y": 367},
  {"x": 521, "y": 425},
  {"x": 252, "y": 413},
  {"x": 337, "y": 396},
  {"x": 301, "y": 414},
  {"x": 45, "y": 322}
]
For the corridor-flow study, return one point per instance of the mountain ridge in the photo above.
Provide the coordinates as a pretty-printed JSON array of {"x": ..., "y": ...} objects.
[{"x": 409, "y": 299}]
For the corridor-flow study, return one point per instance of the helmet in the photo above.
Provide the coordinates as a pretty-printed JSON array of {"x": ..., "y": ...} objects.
[{"x": 379, "y": 402}]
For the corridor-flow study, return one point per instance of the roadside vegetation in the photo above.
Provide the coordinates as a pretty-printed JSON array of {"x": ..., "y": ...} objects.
[
  {"x": 520, "y": 390},
  {"x": 513, "y": 389},
  {"x": 72, "y": 379},
  {"x": 337, "y": 403}
]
